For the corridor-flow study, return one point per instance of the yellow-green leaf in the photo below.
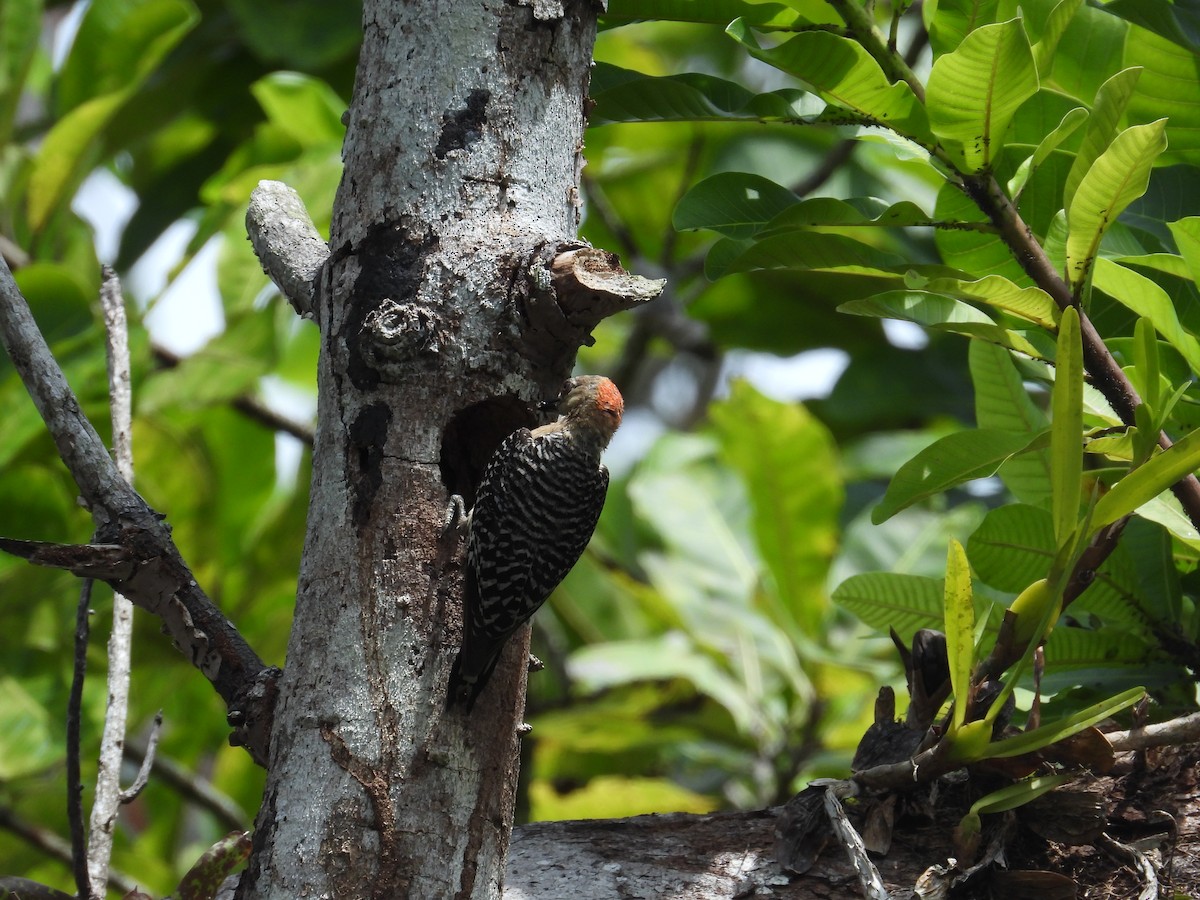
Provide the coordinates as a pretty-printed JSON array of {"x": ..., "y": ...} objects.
[
  {"x": 1117, "y": 178},
  {"x": 1066, "y": 428},
  {"x": 960, "y": 628}
]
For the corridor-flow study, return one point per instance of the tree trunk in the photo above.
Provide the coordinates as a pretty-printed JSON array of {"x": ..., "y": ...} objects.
[{"x": 439, "y": 325}]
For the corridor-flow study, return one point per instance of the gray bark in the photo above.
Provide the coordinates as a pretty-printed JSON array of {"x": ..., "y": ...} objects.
[{"x": 441, "y": 320}]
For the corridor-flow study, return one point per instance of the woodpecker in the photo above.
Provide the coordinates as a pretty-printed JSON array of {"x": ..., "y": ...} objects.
[{"x": 535, "y": 510}]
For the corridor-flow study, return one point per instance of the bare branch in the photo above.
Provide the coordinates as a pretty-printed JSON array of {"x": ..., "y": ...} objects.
[
  {"x": 107, "y": 798},
  {"x": 287, "y": 243},
  {"x": 143, "y": 775},
  {"x": 74, "y": 716},
  {"x": 153, "y": 574}
]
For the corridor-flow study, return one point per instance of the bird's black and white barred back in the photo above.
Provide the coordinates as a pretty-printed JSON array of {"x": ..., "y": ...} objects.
[{"x": 535, "y": 510}]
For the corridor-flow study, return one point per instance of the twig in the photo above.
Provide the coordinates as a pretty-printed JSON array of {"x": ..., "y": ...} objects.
[
  {"x": 53, "y": 846},
  {"x": 191, "y": 787},
  {"x": 143, "y": 776},
  {"x": 156, "y": 576},
  {"x": 107, "y": 798},
  {"x": 78, "y": 857}
]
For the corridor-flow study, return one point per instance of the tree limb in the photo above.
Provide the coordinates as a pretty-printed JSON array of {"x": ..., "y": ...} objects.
[{"x": 133, "y": 540}]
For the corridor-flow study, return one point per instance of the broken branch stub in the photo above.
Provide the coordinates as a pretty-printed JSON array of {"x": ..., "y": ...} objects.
[
  {"x": 571, "y": 294},
  {"x": 286, "y": 242}
]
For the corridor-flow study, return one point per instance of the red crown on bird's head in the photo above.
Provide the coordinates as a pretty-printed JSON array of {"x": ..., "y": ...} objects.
[{"x": 609, "y": 400}]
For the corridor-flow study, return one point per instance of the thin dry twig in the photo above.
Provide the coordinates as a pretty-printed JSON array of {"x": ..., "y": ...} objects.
[
  {"x": 107, "y": 799},
  {"x": 191, "y": 787},
  {"x": 143, "y": 776},
  {"x": 78, "y": 855}
]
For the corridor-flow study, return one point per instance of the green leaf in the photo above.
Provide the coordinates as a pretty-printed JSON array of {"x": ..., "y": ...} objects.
[
  {"x": 228, "y": 366},
  {"x": 951, "y": 461},
  {"x": 1030, "y": 303},
  {"x": 960, "y": 629},
  {"x": 20, "y": 25},
  {"x": 1002, "y": 402},
  {"x": 857, "y": 211},
  {"x": 1117, "y": 178},
  {"x": 1178, "y": 22},
  {"x": 1066, "y": 127},
  {"x": 137, "y": 34},
  {"x": 1066, "y": 428},
  {"x": 118, "y": 45},
  {"x": 843, "y": 74},
  {"x": 974, "y": 91},
  {"x": 1169, "y": 88},
  {"x": 1056, "y": 26},
  {"x": 1148, "y": 480},
  {"x": 1187, "y": 237},
  {"x": 1015, "y": 546},
  {"x": 894, "y": 600},
  {"x": 977, "y": 252},
  {"x": 622, "y": 95},
  {"x": 27, "y": 736},
  {"x": 1064, "y": 728},
  {"x": 763, "y": 16},
  {"x": 787, "y": 461},
  {"x": 65, "y": 155},
  {"x": 922, "y": 307},
  {"x": 1107, "y": 109},
  {"x": 214, "y": 866},
  {"x": 802, "y": 251},
  {"x": 301, "y": 34},
  {"x": 950, "y": 21},
  {"x": 1150, "y": 301},
  {"x": 1089, "y": 52},
  {"x": 735, "y": 204},
  {"x": 602, "y": 666},
  {"x": 302, "y": 106},
  {"x": 1018, "y": 794},
  {"x": 1146, "y": 362}
]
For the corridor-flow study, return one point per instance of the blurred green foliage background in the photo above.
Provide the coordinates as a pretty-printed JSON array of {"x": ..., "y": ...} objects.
[{"x": 695, "y": 659}]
